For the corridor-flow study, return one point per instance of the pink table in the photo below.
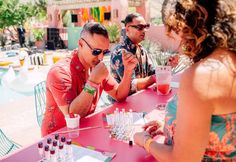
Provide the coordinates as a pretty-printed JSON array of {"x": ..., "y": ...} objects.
[{"x": 143, "y": 101}]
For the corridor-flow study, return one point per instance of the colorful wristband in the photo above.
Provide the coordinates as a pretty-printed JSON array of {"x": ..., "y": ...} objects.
[
  {"x": 89, "y": 89},
  {"x": 147, "y": 144},
  {"x": 92, "y": 84}
]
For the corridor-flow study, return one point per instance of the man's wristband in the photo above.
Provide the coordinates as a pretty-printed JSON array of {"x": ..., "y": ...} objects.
[
  {"x": 92, "y": 84},
  {"x": 147, "y": 144},
  {"x": 91, "y": 90}
]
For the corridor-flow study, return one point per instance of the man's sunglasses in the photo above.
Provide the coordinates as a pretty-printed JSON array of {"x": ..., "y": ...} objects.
[
  {"x": 140, "y": 27},
  {"x": 97, "y": 51}
]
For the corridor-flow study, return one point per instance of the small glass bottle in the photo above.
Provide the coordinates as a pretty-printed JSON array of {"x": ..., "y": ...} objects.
[
  {"x": 61, "y": 153},
  {"x": 47, "y": 153},
  {"x": 49, "y": 143},
  {"x": 40, "y": 149},
  {"x": 53, "y": 157},
  {"x": 56, "y": 137},
  {"x": 55, "y": 147},
  {"x": 63, "y": 140},
  {"x": 69, "y": 152}
]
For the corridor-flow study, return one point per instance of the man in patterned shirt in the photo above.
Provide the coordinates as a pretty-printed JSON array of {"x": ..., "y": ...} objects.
[{"x": 143, "y": 74}]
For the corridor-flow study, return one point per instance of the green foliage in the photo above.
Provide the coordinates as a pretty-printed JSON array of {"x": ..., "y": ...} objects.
[
  {"x": 160, "y": 57},
  {"x": 66, "y": 18},
  {"x": 40, "y": 9},
  {"x": 38, "y": 34},
  {"x": 157, "y": 55},
  {"x": 157, "y": 21},
  {"x": 13, "y": 13},
  {"x": 113, "y": 32}
]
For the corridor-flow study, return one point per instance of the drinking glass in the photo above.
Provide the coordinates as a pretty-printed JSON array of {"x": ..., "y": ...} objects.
[
  {"x": 163, "y": 79},
  {"x": 72, "y": 124}
]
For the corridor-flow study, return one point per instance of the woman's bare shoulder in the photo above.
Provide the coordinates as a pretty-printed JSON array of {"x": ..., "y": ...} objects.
[{"x": 212, "y": 78}]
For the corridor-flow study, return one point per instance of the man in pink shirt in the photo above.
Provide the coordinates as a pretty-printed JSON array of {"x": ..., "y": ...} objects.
[{"x": 74, "y": 84}]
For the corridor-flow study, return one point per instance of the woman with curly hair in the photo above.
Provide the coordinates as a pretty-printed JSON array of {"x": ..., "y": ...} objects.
[{"x": 204, "y": 126}]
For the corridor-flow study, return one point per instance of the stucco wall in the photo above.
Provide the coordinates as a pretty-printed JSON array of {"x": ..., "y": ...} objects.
[{"x": 157, "y": 33}]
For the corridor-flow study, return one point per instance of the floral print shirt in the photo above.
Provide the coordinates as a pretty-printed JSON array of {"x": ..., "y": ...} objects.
[
  {"x": 222, "y": 137},
  {"x": 143, "y": 69}
]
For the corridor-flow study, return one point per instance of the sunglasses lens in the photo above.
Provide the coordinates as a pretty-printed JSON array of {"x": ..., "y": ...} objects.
[
  {"x": 97, "y": 52},
  {"x": 141, "y": 27},
  {"x": 106, "y": 52}
]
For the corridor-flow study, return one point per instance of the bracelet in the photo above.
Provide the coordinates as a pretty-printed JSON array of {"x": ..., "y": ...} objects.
[
  {"x": 91, "y": 90},
  {"x": 147, "y": 144},
  {"x": 92, "y": 84}
]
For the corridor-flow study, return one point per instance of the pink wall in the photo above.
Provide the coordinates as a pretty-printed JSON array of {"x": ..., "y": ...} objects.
[
  {"x": 54, "y": 17},
  {"x": 119, "y": 10},
  {"x": 157, "y": 34},
  {"x": 144, "y": 10}
]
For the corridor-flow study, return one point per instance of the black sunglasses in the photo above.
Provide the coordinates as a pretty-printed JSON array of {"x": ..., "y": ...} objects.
[
  {"x": 97, "y": 51},
  {"x": 140, "y": 27}
]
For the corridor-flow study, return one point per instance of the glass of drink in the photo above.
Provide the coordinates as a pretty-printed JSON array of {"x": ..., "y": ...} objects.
[
  {"x": 163, "y": 79},
  {"x": 72, "y": 124},
  {"x": 55, "y": 58}
]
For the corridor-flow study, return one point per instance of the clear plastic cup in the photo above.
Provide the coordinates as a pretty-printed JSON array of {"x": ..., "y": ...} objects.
[
  {"x": 163, "y": 79},
  {"x": 72, "y": 124}
]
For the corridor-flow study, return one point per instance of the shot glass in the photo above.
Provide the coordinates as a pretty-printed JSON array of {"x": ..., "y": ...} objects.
[
  {"x": 22, "y": 61},
  {"x": 163, "y": 79},
  {"x": 72, "y": 124},
  {"x": 56, "y": 58}
]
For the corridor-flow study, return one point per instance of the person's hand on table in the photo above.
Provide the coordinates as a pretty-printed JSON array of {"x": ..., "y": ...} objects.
[
  {"x": 141, "y": 137},
  {"x": 153, "y": 128}
]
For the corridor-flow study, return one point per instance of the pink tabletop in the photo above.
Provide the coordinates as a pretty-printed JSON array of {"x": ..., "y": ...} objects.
[{"x": 143, "y": 101}]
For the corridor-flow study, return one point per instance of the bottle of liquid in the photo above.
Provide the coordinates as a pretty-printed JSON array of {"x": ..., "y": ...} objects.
[
  {"x": 53, "y": 157},
  {"x": 47, "y": 153},
  {"x": 69, "y": 152},
  {"x": 61, "y": 153},
  {"x": 55, "y": 147},
  {"x": 63, "y": 140},
  {"x": 40, "y": 149},
  {"x": 56, "y": 137},
  {"x": 49, "y": 143}
]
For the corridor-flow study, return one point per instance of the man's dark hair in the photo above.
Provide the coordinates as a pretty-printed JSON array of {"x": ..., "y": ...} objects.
[
  {"x": 94, "y": 28},
  {"x": 129, "y": 18}
]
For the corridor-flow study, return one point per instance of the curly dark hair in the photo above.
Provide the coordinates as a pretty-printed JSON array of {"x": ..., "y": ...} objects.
[{"x": 203, "y": 25}]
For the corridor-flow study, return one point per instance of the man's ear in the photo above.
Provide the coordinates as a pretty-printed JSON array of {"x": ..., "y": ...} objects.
[
  {"x": 126, "y": 28},
  {"x": 80, "y": 44}
]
